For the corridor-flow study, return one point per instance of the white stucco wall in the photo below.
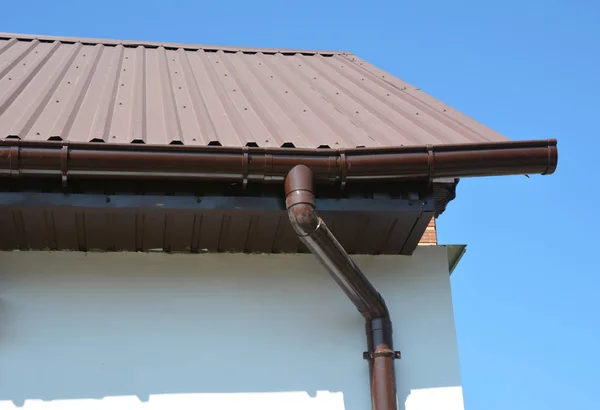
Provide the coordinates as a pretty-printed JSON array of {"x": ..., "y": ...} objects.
[{"x": 157, "y": 331}]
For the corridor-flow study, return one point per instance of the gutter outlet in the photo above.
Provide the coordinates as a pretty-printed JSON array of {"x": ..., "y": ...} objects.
[{"x": 312, "y": 231}]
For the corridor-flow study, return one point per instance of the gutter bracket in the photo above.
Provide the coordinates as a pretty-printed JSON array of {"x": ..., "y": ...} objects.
[
  {"x": 430, "y": 162},
  {"x": 343, "y": 169},
  {"x": 394, "y": 354},
  {"x": 13, "y": 159},
  {"x": 64, "y": 163},
  {"x": 245, "y": 167}
]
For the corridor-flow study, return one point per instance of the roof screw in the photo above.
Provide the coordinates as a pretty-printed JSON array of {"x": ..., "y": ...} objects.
[
  {"x": 173, "y": 59},
  {"x": 304, "y": 110},
  {"x": 388, "y": 94},
  {"x": 314, "y": 78},
  {"x": 24, "y": 63},
  {"x": 357, "y": 112},
  {"x": 9, "y": 78},
  {"x": 337, "y": 143},
  {"x": 444, "y": 110},
  {"x": 299, "y": 65},
  {"x": 271, "y": 76},
  {"x": 126, "y": 58},
  {"x": 122, "y": 85},
  {"x": 56, "y": 100},
  {"x": 77, "y": 66},
  {"x": 123, "y": 69},
  {"x": 176, "y": 72},
  {"x": 225, "y": 75},
  {"x": 245, "y": 108},
  {"x": 266, "y": 140},
  {"x": 37, "y": 133},
  {"x": 84, "y": 55},
  {"x": 114, "y": 137},
  {"x": 362, "y": 79},
  {"x": 286, "y": 92},
  {"x": 193, "y": 139},
  {"x": 68, "y": 82},
  {"x": 120, "y": 103},
  {"x": 234, "y": 89},
  {"x": 417, "y": 113},
  {"x": 184, "y": 106}
]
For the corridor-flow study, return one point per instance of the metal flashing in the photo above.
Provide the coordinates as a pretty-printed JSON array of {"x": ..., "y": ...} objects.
[{"x": 455, "y": 254}]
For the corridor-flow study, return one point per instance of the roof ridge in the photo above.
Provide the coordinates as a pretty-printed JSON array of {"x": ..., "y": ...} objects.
[{"x": 187, "y": 46}]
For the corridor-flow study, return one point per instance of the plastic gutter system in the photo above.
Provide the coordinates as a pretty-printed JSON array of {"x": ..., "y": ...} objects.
[
  {"x": 61, "y": 159},
  {"x": 298, "y": 169},
  {"x": 456, "y": 161}
]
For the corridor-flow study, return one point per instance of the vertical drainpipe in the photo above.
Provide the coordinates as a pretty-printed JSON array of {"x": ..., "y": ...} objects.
[{"x": 312, "y": 231}]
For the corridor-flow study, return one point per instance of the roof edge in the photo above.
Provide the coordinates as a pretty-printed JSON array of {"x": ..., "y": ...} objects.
[{"x": 137, "y": 43}]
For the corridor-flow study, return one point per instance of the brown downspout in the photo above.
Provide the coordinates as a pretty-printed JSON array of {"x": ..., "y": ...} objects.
[{"x": 312, "y": 231}]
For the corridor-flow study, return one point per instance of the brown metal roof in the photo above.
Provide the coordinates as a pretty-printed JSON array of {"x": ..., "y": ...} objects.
[{"x": 84, "y": 90}]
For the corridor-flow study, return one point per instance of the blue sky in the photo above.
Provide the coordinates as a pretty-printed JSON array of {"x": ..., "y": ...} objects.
[{"x": 526, "y": 295}]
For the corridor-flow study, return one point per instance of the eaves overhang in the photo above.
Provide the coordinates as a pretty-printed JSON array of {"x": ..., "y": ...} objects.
[{"x": 205, "y": 223}]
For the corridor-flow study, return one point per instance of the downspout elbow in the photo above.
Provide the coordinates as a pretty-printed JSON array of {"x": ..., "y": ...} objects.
[
  {"x": 300, "y": 201},
  {"x": 304, "y": 218},
  {"x": 313, "y": 232}
]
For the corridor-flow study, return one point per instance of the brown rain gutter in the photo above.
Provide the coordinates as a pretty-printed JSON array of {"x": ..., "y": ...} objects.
[
  {"x": 312, "y": 231},
  {"x": 61, "y": 159}
]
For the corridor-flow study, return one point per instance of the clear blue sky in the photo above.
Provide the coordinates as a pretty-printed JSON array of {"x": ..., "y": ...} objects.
[{"x": 527, "y": 293}]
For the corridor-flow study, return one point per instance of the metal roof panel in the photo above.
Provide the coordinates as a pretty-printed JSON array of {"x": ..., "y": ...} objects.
[{"x": 88, "y": 90}]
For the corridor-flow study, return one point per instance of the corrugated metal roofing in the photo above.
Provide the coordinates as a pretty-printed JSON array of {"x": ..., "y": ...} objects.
[{"x": 130, "y": 92}]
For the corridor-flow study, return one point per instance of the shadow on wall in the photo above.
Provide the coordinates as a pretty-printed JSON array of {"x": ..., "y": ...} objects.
[{"x": 76, "y": 326}]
